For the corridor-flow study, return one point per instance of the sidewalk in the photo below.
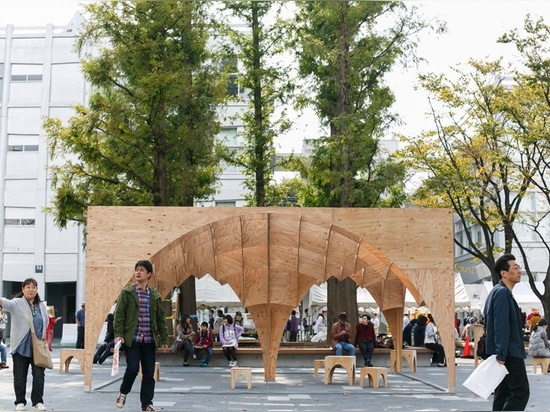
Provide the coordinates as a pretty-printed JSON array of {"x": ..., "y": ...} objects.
[{"x": 296, "y": 389}]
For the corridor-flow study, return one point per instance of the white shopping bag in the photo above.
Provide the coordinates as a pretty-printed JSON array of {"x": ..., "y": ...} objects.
[
  {"x": 114, "y": 369},
  {"x": 486, "y": 377}
]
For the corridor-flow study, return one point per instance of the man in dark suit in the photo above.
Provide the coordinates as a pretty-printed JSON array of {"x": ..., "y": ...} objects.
[{"x": 504, "y": 339}]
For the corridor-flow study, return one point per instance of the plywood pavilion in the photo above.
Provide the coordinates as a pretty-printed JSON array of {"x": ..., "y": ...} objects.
[{"x": 271, "y": 257}]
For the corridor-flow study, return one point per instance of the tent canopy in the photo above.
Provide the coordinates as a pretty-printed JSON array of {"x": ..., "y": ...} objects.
[
  {"x": 365, "y": 299},
  {"x": 210, "y": 293}
]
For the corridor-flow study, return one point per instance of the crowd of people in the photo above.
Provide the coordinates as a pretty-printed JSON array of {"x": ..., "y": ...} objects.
[{"x": 138, "y": 324}]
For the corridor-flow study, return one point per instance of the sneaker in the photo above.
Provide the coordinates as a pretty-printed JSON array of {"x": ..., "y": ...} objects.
[
  {"x": 20, "y": 407},
  {"x": 235, "y": 364},
  {"x": 3, "y": 365},
  {"x": 148, "y": 408},
  {"x": 120, "y": 400},
  {"x": 39, "y": 407},
  {"x": 185, "y": 364}
]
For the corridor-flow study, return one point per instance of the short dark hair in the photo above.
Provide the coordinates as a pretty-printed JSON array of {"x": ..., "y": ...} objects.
[
  {"x": 145, "y": 264},
  {"x": 502, "y": 263},
  {"x": 204, "y": 324},
  {"x": 29, "y": 281}
]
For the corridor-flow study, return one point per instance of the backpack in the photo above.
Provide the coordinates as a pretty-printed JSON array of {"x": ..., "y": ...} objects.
[
  {"x": 481, "y": 347},
  {"x": 304, "y": 323}
]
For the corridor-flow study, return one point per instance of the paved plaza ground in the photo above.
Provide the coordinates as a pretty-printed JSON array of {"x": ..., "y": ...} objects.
[{"x": 296, "y": 389}]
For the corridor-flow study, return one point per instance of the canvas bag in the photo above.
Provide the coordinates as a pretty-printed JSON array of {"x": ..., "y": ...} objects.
[
  {"x": 486, "y": 377},
  {"x": 40, "y": 351}
]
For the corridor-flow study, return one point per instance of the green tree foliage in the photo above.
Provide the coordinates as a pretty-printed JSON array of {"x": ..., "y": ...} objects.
[
  {"x": 147, "y": 135},
  {"x": 489, "y": 150},
  {"x": 344, "y": 50},
  {"x": 260, "y": 52}
]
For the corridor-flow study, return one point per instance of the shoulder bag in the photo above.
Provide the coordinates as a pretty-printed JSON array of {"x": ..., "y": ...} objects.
[{"x": 40, "y": 351}]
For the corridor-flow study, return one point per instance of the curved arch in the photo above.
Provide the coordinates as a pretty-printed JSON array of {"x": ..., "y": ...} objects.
[
  {"x": 271, "y": 260},
  {"x": 271, "y": 252}
]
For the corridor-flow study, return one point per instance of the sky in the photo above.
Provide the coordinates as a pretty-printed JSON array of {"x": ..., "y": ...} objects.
[{"x": 473, "y": 28}]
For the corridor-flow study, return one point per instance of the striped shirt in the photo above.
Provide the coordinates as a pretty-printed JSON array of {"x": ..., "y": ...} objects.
[{"x": 143, "y": 331}]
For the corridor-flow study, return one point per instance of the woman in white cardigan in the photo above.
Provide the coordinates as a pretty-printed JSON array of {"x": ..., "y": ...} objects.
[{"x": 24, "y": 306}]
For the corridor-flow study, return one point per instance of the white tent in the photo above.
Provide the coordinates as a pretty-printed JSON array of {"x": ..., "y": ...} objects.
[
  {"x": 522, "y": 292},
  {"x": 210, "y": 293},
  {"x": 364, "y": 298}
]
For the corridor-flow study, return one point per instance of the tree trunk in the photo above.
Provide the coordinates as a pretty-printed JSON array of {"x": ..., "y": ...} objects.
[{"x": 341, "y": 297}]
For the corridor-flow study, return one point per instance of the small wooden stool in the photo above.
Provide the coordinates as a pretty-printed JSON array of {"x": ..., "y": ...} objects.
[
  {"x": 408, "y": 354},
  {"x": 67, "y": 355},
  {"x": 317, "y": 363},
  {"x": 244, "y": 372},
  {"x": 156, "y": 373},
  {"x": 374, "y": 375},
  {"x": 543, "y": 362},
  {"x": 347, "y": 362}
]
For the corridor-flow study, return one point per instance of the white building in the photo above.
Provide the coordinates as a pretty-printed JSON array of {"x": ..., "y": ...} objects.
[{"x": 40, "y": 76}]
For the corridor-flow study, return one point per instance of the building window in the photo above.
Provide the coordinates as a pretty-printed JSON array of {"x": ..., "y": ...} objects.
[
  {"x": 1, "y": 80},
  {"x": 23, "y": 148},
  {"x": 226, "y": 203},
  {"x": 26, "y": 78},
  {"x": 19, "y": 222}
]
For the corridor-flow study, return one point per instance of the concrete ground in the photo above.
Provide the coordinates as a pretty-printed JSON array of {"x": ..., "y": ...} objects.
[{"x": 296, "y": 389}]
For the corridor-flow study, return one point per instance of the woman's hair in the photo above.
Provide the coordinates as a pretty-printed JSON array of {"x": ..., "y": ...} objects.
[
  {"x": 542, "y": 322},
  {"x": 184, "y": 318},
  {"x": 229, "y": 319},
  {"x": 29, "y": 281}
]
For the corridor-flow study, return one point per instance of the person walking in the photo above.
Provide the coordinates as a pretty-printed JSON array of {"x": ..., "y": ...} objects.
[
  {"x": 504, "y": 337},
  {"x": 80, "y": 320},
  {"x": 52, "y": 320},
  {"x": 25, "y": 307},
  {"x": 140, "y": 325}
]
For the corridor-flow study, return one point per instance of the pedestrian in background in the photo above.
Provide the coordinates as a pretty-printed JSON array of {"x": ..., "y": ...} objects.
[{"x": 80, "y": 320}]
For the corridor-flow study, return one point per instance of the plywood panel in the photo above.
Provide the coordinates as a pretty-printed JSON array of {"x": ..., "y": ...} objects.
[{"x": 267, "y": 253}]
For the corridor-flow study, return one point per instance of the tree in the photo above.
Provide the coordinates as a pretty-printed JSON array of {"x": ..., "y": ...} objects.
[
  {"x": 147, "y": 135},
  {"x": 484, "y": 158},
  {"x": 259, "y": 50},
  {"x": 343, "y": 54}
]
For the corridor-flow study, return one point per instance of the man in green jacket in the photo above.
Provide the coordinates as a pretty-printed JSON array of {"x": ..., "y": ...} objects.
[{"x": 140, "y": 325}]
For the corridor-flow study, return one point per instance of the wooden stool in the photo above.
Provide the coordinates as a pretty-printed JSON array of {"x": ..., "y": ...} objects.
[
  {"x": 347, "y": 362},
  {"x": 543, "y": 362},
  {"x": 408, "y": 354},
  {"x": 317, "y": 363},
  {"x": 67, "y": 355},
  {"x": 244, "y": 372},
  {"x": 156, "y": 373},
  {"x": 374, "y": 375}
]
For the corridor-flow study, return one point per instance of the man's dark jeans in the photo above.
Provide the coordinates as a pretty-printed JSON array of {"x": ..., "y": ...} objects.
[
  {"x": 145, "y": 352},
  {"x": 513, "y": 392},
  {"x": 366, "y": 347}
]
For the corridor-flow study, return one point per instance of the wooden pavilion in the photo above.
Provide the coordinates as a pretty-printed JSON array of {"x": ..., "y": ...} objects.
[{"x": 271, "y": 257}]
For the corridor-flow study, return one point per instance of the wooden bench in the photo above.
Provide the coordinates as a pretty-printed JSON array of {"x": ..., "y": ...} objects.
[
  {"x": 346, "y": 362},
  {"x": 244, "y": 372},
  {"x": 67, "y": 355},
  {"x": 408, "y": 354},
  {"x": 317, "y": 363},
  {"x": 374, "y": 375},
  {"x": 156, "y": 373},
  {"x": 293, "y": 356},
  {"x": 543, "y": 363}
]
